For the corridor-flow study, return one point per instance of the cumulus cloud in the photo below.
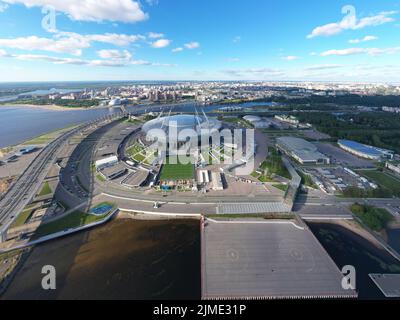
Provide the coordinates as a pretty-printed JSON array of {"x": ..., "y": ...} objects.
[
  {"x": 3, "y": 6},
  {"x": 114, "y": 54},
  {"x": 365, "y": 39},
  {"x": 161, "y": 43},
  {"x": 351, "y": 23},
  {"x": 154, "y": 35},
  {"x": 180, "y": 49},
  {"x": 128, "y": 11},
  {"x": 110, "y": 58},
  {"x": 68, "y": 45},
  {"x": 192, "y": 45},
  {"x": 353, "y": 51},
  {"x": 68, "y": 42}
]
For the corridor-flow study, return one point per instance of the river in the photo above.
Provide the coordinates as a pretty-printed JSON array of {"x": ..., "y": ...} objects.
[
  {"x": 348, "y": 248},
  {"x": 124, "y": 259}
]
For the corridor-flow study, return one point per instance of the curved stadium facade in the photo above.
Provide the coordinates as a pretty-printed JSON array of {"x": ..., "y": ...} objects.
[{"x": 180, "y": 127}]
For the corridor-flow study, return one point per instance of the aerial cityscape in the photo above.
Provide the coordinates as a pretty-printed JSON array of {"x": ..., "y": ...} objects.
[{"x": 199, "y": 151}]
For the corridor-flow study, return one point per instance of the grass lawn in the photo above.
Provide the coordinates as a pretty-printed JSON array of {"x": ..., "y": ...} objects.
[
  {"x": 282, "y": 187},
  {"x": 46, "y": 190},
  {"x": 100, "y": 178},
  {"x": 177, "y": 172},
  {"x": 73, "y": 220},
  {"x": 265, "y": 179},
  {"x": 384, "y": 180},
  {"x": 22, "y": 218},
  {"x": 139, "y": 157},
  {"x": 375, "y": 218}
]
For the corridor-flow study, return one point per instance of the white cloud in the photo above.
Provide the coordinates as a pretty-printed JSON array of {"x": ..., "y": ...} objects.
[
  {"x": 291, "y": 58},
  {"x": 154, "y": 35},
  {"x": 111, "y": 59},
  {"x": 365, "y": 39},
  {"x": 114, "y": 38},
  {"x": 237, "y": 39},
  {"x": 114, "y": 54},
  {"x": 180, "y": 49},
  {"x": 72, "y": 46},
  {"x": 351, "y": 23},
  {"x": 323, "y": 67},
  {"x": 352, "y": 51},
  {"x": 192, "y": 45},
  {"x": 233, "y": 59},
  {"x": 3, "y": 6},
  {"x": 162, "y": 43},
  {"x": 89, "y": 10},
  {"x": 68, "y": 42}
]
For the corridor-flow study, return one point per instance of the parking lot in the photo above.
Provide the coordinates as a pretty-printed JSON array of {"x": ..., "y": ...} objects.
[{"x": 339, "y": 156}]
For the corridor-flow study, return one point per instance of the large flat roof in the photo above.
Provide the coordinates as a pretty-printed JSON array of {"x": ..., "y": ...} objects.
[
  {"x": 302, "y": 148},
  {"x": 257, "y": 259},
  {"x": 363, "y": 148}
]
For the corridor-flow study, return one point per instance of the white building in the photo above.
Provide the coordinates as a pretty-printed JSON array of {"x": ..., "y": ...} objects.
[
  {"x": 106, "y": 162},
  {"x": 393, "y": 166},
  {"x": 216, "y": 179},
  {"x": 301, "y": 150}
]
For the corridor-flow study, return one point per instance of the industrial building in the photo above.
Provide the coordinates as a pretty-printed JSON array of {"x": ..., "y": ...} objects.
[
  {"x": 257, "y": 122},
  {"x": 393, "y": 166},
  {"x": 301, "y": 150},
  {"x": 365, "y": 151}
]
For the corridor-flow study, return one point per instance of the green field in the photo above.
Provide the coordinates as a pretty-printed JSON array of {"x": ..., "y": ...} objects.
[
  {"x": 46, "y": 190},
  {"x": 73, "y": 220},
  {"x": 375, "y": 218},
  {"x": 22, "y": 217},
  {"x": 282, "y": 187},
  {"x": 177, "y": 172},
  {"x": 384, "y": 180}
]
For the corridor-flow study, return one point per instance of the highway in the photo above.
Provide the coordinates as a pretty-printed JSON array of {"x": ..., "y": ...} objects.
[{"x": 21, "y": 193}]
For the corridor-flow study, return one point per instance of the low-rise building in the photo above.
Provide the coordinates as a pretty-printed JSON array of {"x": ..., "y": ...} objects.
[
  {"x": 106, "y": 162},
  {"x": 301, "y": 150},
  {"x": 393, "y": 166},
  {"x": 365, "y": 151}
]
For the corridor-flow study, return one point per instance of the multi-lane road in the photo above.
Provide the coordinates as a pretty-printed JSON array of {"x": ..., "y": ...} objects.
[{"x": 24, "y": 189}]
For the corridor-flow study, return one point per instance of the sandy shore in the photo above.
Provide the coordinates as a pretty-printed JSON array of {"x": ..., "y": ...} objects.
[{"x": 52, "y": 107}]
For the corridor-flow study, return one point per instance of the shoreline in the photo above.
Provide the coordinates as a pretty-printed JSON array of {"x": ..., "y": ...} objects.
[
  {"x": 357, "y": 229},
  {"x": 51, "y": 107}
]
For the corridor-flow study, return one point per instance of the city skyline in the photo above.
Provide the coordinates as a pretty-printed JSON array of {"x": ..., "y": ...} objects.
[{"x": 171, "y": 40}]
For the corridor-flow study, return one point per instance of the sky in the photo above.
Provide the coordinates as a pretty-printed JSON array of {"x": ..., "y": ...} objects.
[{"x": 84, "y": 40}]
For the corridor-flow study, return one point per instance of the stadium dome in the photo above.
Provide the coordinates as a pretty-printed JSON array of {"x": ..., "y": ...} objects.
[{"x": 178, "y": 123}]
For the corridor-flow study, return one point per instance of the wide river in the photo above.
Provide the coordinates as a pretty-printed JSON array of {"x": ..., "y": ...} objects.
[
  {"x": 18, "y": 124},
  {"x": 124, "y": 259}
]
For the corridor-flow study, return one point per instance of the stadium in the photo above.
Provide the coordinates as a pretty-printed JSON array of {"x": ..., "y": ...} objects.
[{"x": 180, "y": 128}]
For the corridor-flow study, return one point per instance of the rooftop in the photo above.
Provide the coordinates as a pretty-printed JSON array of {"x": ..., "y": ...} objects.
[
  {"x": 302, "y": 148},
  {"x": 266, "y": 260},
  {"x": 363, "y": 148}
]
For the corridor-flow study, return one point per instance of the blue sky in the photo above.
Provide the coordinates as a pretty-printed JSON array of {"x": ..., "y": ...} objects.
[{"x": 200, "y": 40}]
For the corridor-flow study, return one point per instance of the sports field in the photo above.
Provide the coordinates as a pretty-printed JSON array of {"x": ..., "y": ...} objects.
[{"x": 177, "y": 172}]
